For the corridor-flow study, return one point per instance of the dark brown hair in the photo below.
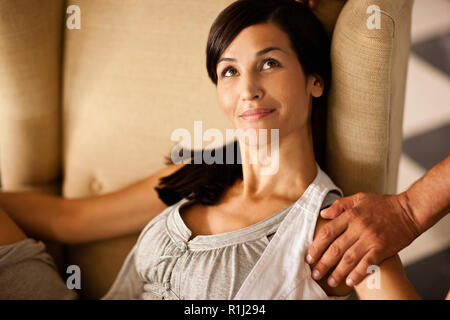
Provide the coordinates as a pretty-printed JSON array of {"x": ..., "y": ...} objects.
[{"x": 206, "y": 182}]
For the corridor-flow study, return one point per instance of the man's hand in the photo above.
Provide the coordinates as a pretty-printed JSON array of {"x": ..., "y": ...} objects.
[
  {"x": 311, "y": 3},
  {"x": 367, "y": 228}
]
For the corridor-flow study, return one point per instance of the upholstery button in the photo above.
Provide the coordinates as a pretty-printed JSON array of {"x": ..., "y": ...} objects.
[
  {"x": 167, "y": 285},
  {"x": 96, "y": 186}
]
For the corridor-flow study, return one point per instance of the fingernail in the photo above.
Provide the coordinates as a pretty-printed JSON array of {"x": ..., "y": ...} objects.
[
  {"x": 309, "y": 258},
  {"x": 316, "y": 274},
  {"x": 331, "y": 282},
  {"x": 349, "y": 282}
]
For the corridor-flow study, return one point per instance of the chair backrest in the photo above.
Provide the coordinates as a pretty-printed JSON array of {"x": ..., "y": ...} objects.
[
  {"x": 88, "y": 111},
  {"x": 365, "y": 112}
]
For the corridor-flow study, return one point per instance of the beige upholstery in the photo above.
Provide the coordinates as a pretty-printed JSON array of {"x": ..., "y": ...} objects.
[
  {"x": 86, "y": 112},
  {"x": 367, "y": 96}
]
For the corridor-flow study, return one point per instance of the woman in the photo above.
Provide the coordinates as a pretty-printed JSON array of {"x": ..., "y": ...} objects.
[{"x": 270, "y": 63}]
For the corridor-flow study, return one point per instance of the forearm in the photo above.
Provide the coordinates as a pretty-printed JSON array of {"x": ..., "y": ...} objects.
[
  {"x": 38, "y": 215},
  {"x": 428, "y": 199},
  {"x": 123, "y": 212}
]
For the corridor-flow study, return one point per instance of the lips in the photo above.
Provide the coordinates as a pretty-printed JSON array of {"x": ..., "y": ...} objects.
[{"x": 256, "y": 112}]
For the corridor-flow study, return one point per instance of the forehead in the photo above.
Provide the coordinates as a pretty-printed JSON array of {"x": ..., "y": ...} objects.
[{"x": 255, "y": 38}]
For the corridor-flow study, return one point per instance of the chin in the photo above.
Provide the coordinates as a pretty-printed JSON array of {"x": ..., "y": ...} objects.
[{"x": 253, "y": 131}]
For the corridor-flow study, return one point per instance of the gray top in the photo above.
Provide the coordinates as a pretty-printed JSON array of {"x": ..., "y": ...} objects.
[{"x": 165, "y": 264}]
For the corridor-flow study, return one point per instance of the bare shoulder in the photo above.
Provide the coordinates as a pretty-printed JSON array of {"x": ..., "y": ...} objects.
[{"x": 341, "y": 289}]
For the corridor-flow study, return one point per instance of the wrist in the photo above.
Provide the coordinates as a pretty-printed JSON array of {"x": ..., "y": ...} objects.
[{"x": 410, "y": 213}]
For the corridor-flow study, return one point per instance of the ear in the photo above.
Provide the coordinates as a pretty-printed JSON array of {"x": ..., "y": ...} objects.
[{"x": 316, "y": 85}]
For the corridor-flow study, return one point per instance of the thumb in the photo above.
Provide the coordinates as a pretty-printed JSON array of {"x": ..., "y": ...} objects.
[{"x": 337, "y": 207}]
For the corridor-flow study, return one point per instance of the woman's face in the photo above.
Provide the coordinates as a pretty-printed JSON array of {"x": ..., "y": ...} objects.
[{"x": 259, "y": 76}]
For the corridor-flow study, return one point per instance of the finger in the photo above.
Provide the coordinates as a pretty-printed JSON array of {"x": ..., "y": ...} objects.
[
  {"x": 339, "y": 206},
  {"x": 349, "y": 261},
  {"x": 360, "y": 272},
  {"x": 325, "y": 237},
  {"x": 333, "y": 254}
]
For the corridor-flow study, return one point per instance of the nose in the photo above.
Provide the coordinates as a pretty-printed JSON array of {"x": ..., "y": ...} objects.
[{"x": 251, "y": 88}]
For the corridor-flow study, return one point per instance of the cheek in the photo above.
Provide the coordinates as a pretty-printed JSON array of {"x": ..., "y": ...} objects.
[
  {"x": 292, "y": 93},
  {"x": 226, "y": 101},
  {"x": 295, "y": 84},
  {"x": 293, "y": 96}
]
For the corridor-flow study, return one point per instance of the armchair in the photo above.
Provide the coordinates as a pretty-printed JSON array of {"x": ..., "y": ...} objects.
[{"x": 88, "y": 111}]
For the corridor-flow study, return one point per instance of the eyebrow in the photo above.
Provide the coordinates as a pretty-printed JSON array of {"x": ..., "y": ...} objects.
[{"x": 259, "y": 53}]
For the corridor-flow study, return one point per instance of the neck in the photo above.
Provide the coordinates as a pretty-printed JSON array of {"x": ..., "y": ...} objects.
[{"x": 291, "y": 169}]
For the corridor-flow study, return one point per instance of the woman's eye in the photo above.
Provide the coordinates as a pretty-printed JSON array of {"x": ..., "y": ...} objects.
[
  {"x": 224, "y": 72},
  {"x": 275, "y": 62},
  {"x": 270, "y": 61}
]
